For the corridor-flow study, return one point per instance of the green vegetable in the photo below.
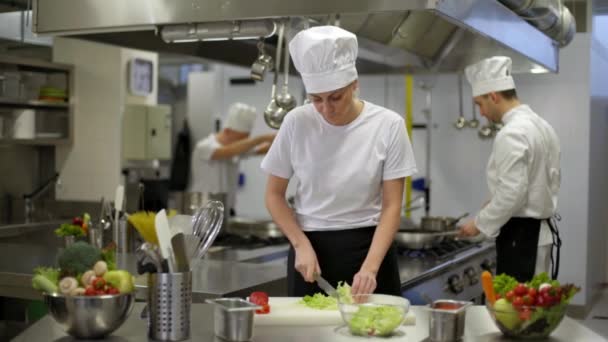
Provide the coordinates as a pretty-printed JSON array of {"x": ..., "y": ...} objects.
[
  {"x": 320, "y": 301},
  {"x": 78, "y": 258},
  {"x": 67, "y": 229},
  {"x": 42, "y": 283},
  {"x": 375, "y": 320},
  {"x": 50, "y": 273},
  {"x": 108, "y": 254},
  {"x": 542, "y": 278},
  {"x": 504, "y": 283},
  {"x": 120, "y": 279},
  {"x": 344, "y": 293},
  {"x": 506, "y": 314}
]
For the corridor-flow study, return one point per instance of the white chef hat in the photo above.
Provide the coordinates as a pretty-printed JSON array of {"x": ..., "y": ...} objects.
[
  {"x": 241, "y": 117},
  {"x": 490, "y": 75},
  {"x": 325, "y": 56}
]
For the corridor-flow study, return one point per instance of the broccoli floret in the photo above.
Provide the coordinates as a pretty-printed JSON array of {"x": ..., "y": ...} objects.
[{"x": 78, "y": 258}]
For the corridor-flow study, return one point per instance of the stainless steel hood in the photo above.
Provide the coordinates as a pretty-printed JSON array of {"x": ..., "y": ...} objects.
[{"x": 417, "y": 36}]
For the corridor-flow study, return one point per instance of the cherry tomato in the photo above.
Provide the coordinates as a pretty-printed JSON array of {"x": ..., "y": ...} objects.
[
  {"x": 518, "y": 302},
  {"x": 264, "y": 310},
  {"x": 521, "y": 289},
  {"x": 540, "y": 301},
  {"x": 532, "y": 292},
  {"x": 528, "y": 300},
  {"x": 525, "y": 314},
  {"x": 112, "y": 291},
  {"x": 259, "y": 298},
  {"x": 77, "y": 221},
  {"x": 99, "y": 283},
  {"x": 90, "y": 291},
  {"x": 509, "y": 295}
]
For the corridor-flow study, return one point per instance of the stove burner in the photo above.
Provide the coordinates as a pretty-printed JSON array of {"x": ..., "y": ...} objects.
[
  {"x": 443, "y": 250},
  {"x": 249, "y": 241}
]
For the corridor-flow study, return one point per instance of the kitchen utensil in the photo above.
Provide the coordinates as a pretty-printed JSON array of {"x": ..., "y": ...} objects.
[
  {"x": 325, "y": 285},
  {"x": 178, "y": 244},
  {"x": 143, "y": 221},
  {"x": 474, "y": 123},
  {"x": 416, "y": 239},
  {"x": 359, "y": 306},
  {"x": 207, "y": 224},
  {"x": 447, "y": 319},
  {"x": 273, "y": 114},
  {"x": 284, "y": 99},
  {"x": 461, "y": 122},
  {"x": 485, "y": 132},
  {"x": 118, "y": 201},
  {"x": 233, "y": 318},
  {"x": 89, "y": 317},
  {"x": 262, "y": 64},
  {"x": 261, "y": 228},
  {"x": 152, "y": 253},
  {"x": 169, "y": 303},
  {"x": 439, "y": 223},
  {"x": 164, "y": 237}
]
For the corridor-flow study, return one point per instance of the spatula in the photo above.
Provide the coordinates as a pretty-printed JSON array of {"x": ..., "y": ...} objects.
[{"x": 164, "y": 237}]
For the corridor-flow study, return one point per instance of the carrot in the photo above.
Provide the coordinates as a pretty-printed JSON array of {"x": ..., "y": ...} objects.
[{"x": 488, "y": 286}]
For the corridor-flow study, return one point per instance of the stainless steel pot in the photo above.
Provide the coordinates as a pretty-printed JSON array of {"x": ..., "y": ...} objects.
[
  {"x": 416, "y": 239},
  {"x": 439, "y": 223}
]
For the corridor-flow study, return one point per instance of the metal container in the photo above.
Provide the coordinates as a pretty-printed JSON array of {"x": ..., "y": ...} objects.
[
  {"x": 415, "y": 239},
  {"x": 233, "y": 318},
  {"x": 169, "y": 301},
  {"x": 439, "y": 223},
  {"x": 89, "y": 317},
  {"x": 447, "y": 319},
  {"x": 263, "y": 229}
]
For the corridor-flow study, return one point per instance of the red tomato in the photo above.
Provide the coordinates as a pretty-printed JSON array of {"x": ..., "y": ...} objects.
[
  {"x": 525, "y": 314},
  {"x": 540, "y": 301},
  {"x": 518, "y": 302},
  {"x": 528, "y": 300},
  {"x": 90, "y": 291},
  {"x": 548, "y": 299},
  {"x": 100, "y": 292},
  {"x": 112, "y": 291},
  {"x": 259, "y": 298},
  {"x": 520, "y": 289},
  {"x": 264, "y": 310},
  {"x": 99, "y": 283},
  {"x": 532, "y": 292},
  {"x": 509, "y": 295}
]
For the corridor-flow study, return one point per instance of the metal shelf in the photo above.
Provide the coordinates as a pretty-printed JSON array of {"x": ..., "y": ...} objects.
[
  {"x": 35, "y": 141},
  {"x": 33, "y": 104}
]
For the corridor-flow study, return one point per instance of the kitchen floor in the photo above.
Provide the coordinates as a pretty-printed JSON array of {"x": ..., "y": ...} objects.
[{"x": 597, "y": 320}]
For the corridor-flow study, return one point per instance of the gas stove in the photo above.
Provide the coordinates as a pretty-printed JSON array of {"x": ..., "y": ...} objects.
[
  {"x": 451, "y": 270},
  {"x": 247, "y": 241}
]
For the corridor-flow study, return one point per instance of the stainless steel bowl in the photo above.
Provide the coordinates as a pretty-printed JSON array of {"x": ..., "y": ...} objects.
[{"x": 90, "y": 317}]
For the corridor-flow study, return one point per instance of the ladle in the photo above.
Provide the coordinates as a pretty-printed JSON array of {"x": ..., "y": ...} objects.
[
  {"x": 273, "y": 115},
  {"x": 474, "y": 123},
  {"x": 461, "y": 121}
]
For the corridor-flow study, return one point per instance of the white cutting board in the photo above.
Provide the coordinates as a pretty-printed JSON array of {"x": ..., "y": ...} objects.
[{"x": 287, "y": 311}]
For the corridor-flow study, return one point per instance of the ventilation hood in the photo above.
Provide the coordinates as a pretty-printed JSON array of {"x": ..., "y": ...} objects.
[{"x": 414, "y": 36}]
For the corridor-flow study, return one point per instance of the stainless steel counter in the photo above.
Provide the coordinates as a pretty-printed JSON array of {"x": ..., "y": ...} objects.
[{"x": 478, "y": 327}]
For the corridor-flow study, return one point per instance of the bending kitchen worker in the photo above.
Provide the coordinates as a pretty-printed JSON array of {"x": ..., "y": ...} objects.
[
  {"x": 215, "y": 159},
  {"x": 348, "y": 159},
  {"x": 523, "y": 176}
]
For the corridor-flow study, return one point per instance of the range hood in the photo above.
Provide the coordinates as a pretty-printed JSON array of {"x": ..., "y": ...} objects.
[{"x": 406, "y": 36}]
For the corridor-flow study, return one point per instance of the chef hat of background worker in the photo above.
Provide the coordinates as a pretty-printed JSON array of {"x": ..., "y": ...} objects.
[
  {"x": 325, "y": 56},
  {"x": 490, "y": 75},
  {"x": 241, "y": 117}
]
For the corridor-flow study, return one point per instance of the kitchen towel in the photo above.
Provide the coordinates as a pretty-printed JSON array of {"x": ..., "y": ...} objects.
[{"x": 24, "y": 126}]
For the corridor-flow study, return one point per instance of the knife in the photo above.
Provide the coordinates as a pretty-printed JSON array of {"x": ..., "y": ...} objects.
[{"x": 325, "y": 286}]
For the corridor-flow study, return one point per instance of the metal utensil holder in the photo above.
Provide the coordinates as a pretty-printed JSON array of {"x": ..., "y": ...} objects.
[{"x": 169, "y": 300}]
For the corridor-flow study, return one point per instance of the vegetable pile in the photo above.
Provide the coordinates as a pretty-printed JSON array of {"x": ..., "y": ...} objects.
[
  {"x": 375, "y": 320},
  {"x": 77, "y": 228},
  {"x": 532, "y": 309},
  {"x": 83, "y": 271}
]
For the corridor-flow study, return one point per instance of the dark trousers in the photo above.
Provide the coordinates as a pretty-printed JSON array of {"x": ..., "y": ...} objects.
[
  {"x": 516, "y": 248},
  {"x": 340, "y": 254}
]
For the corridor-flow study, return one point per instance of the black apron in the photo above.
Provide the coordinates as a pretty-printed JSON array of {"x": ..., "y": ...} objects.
[
  {"x": 340, "y": 254},
  {"x": 517, "y": 246}
]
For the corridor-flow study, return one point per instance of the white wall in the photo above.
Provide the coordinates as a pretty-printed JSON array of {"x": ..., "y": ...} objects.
[{"x": 91, "y": 167}]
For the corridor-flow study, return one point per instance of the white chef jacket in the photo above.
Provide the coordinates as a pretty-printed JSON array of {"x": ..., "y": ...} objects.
[
  {"x": 213, "y": 176},
  {"x": 339, "y": 170},
  {"x": 523, "y": 173}
]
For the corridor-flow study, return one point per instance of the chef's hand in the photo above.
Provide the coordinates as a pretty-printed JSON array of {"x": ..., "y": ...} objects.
[
  {"x": 364, "y": 282},
  {"x": 468, "y": 229},
  {"x": 306, "y": 262}
]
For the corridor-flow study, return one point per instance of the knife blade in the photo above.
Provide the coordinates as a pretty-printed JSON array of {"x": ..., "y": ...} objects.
[{"x": 325, "y": 286}]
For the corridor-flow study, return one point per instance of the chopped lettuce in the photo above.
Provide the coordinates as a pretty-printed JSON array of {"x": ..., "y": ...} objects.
[
  {"x": 542, "y": 278},
  {"x": 375, "y": 320},
  {"x": 344, "y": 294},
  {"x": 320, "y": 301},
  {"x": 504, "y": 283}
]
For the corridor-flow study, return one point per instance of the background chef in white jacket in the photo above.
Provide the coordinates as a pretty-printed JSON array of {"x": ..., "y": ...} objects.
[
  {"x": 215, "y": 159},
  {"x": 523, "y": 176}
]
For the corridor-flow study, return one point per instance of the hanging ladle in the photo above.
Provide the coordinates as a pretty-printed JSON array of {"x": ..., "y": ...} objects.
[
  {"x": 474, "y": 123},
  {"x": 461, "y": 121},
  {"x": 273, "y": 114},
  {"x": 285, "y": 100}
]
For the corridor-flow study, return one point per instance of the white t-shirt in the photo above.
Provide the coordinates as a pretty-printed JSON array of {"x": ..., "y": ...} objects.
[
  {"x": 339, "y": 169},
  {"x": 523, "y": 173},
  {"x": 213, "y": 176}
]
